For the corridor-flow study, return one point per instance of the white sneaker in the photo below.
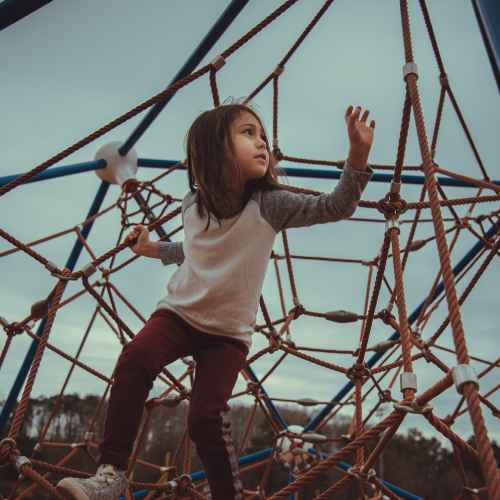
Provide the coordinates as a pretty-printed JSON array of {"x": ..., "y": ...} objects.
[{"x": 107, "y": 484}]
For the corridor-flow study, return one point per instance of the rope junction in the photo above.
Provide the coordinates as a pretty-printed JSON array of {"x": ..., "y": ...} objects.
[{"x": 373, "y": 367}]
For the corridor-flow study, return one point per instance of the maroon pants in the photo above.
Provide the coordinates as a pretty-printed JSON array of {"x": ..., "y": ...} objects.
[{"x": 165, "y": 338}]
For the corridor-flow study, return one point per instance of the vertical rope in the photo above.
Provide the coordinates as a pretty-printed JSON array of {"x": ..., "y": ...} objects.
[
  {"x": 18, "y": 418},
  {"x": 487, "y": 458}
]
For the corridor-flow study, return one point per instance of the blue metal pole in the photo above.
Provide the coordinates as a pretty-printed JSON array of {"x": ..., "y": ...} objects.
[
  {"x": 227, "y": 17},
  {"x": 395, "y": 489},
  {"x": 266, "y": 452},
  {"x": 269, "y": 404},
  {"x": 488, "y": 17},
  {"x": 312, "y": 173},
  {"x": 377, "y": 356},
  {"x": 70, "y": 264},
  {"x": 55, "y": 172}
]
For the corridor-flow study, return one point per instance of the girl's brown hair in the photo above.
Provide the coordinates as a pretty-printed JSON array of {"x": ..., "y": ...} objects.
[{"x": 212, "y": 171}]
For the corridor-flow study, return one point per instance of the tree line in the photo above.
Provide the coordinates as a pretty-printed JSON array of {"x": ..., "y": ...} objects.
[{"x": 412, "y": 461}]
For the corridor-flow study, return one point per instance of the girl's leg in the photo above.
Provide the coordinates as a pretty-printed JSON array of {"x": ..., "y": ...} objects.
[
  {"x": 162, "y": 340},
  {"x": 218, "y": 363}
]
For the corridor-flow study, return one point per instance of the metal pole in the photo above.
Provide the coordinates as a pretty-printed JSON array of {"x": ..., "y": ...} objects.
[
  {"x": 377, "y": 356},
  {"x": 488, "y": 17},
  {"x": 310, "y": 173},
  {"x": 70, "y": 264},
  {"x": 227, "y": 17}
]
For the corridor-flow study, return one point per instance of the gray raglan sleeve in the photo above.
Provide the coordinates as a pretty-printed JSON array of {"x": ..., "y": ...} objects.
[
  {"x": 171, "y": 252},
  {"x": 284, "y": 209}
]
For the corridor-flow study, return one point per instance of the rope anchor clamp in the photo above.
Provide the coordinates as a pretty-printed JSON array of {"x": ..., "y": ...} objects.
[
  {"x": 21, "y": 460},
  {"x": 89, "y": 270},
  {"x": 409, "y": 69},
  {"x": 218, "y": 62},
  {"x": 278, "y": 70},
  {"x": 408, "y": 380},
  {"x": 462, "y": 374},
  {"x": 117, "y": 169},
  {"x": 391, "y": 224}
]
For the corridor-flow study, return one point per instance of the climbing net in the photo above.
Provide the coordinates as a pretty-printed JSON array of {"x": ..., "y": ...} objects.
[{"x": 367, "y": 369}]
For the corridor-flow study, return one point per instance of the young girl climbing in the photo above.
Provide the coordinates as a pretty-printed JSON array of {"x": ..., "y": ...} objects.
[{"x": 231, "y": 216}]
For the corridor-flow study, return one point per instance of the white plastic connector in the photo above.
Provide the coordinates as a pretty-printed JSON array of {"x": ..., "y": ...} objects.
[
  {"x": 391, "y": 223},
  {"x": 89, "y": 270},
  {"x": 218, "y": 63},
  {"x": 395, "y": 187},
  {"x": 462, "y": 374},
  {"x": 410, "y": 68},
  {"x": 20, "y": 461},
  {"x": 408, "y": 380},
  {"x": 119, "y": 169}
]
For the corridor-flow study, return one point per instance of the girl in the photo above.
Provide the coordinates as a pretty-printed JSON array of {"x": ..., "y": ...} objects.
[{"x": 232, "y": 214}]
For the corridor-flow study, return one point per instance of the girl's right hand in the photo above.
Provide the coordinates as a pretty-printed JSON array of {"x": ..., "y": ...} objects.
[{"x": 142, "y": 234}]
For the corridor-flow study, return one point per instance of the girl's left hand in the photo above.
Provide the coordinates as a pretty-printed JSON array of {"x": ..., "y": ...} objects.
[{"x": 360, "y": 134}]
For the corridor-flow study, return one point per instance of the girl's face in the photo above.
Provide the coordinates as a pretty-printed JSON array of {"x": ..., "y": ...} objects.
[{"x": 250, "y": 147}]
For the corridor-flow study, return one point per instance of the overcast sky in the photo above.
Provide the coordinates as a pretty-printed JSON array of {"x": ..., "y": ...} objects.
[{"x": 72, "y": 67}]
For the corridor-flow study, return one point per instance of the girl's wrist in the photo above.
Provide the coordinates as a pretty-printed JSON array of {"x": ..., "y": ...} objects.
[
  {"x": 149, "y": 249},
  {"x": 358, "y": 157}
]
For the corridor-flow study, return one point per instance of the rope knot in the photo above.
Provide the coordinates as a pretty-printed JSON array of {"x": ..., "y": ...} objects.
[
  {"x": 11, "y": 329},
  {"x": 358, "y": 372},
  {"x": 361, "y": 474},
  {"x": 278, "y": 155},
  {"x": 298, "y": 311},
  {"x": 449, "y": 420},
  {"x": 385, "y": 396},
  {"x": 253, "y": 388},
  {"x": 413, "y": 407},
  {"x": 386, "y": 316},
  {"x": 392, "y": 206}
]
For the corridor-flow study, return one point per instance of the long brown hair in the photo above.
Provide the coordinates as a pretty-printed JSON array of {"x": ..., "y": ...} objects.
[{"x": 212, "y": 171}]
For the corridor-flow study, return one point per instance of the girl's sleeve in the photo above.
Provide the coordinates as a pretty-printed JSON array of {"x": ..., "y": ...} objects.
[
  {"x": 284, "y": 209},
  {"x": 171, "y": 252}
]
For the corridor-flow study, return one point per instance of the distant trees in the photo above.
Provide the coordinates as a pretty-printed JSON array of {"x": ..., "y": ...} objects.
[{"x": 411, "y": 461}]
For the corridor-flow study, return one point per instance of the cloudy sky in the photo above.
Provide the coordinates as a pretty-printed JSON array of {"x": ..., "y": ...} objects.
[{"x": 74, "y": 66}]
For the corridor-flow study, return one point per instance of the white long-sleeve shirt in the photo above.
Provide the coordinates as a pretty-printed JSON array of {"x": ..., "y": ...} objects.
[{"x": 218, "y": 284}]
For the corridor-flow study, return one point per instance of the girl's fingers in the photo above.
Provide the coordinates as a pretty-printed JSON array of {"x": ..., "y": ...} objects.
[
  {"x": 372, "y": 124},
  {"x": 348, "y": 112},
  {"x": 134, "y": 232},
  {"x": 365, "y": 116}
]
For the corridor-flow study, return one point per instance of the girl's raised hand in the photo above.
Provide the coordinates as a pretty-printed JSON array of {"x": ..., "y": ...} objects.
[{"x": 360, "y": 134}]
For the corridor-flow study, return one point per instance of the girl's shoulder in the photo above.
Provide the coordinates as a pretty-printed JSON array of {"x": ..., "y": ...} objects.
[{"x": 189, "y": 199}]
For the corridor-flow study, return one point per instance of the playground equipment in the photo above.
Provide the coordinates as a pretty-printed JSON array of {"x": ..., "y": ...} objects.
[{"x": 369, "y": 367}]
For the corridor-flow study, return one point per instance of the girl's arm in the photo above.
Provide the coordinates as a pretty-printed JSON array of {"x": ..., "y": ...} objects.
[
  {"x": 168, "y": 252},
  {"x": 171, "y": 252},
  {"x": 283, "y": 209}
]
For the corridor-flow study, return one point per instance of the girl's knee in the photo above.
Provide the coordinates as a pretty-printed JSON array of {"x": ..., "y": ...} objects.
[
  {"x": 136, "y": 359},
  {"x": 203, "y": 425}
]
